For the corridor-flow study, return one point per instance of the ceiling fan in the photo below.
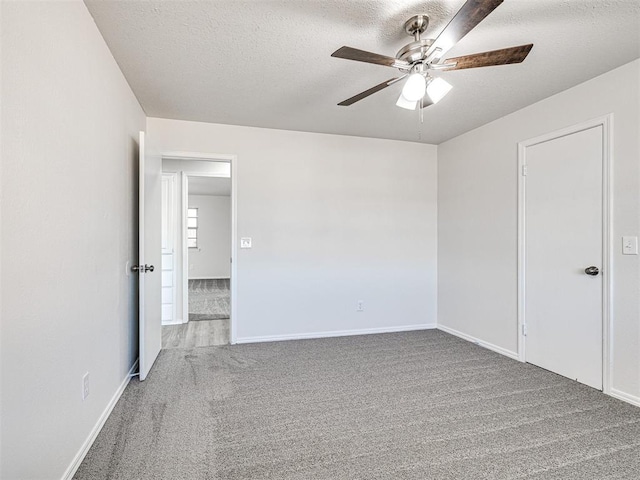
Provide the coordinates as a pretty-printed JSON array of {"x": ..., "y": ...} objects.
[{"x": 419, "y": 58}]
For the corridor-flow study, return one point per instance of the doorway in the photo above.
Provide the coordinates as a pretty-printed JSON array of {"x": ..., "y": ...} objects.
[
  {"x": 563, "y": 252},
  {"x": 208, "y": 257},
  {"x": 201, "y": 262}
]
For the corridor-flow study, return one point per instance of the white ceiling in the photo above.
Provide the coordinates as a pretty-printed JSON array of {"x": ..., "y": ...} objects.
[
  {"x": 267, "y": 63},
  {"x": 218, "y": 186}
]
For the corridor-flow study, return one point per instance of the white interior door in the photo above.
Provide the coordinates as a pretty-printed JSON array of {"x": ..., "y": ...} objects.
[
  {"x": 149, "y": 268},
  {"x": 563, "y": 237}
]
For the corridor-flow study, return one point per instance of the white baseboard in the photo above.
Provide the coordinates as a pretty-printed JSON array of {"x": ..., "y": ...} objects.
[
  {"x": 625, "y": 397},
  {"x": 482, "y": 343},
  {"x": 177, "y": 321},
  {"x": 75, "y": 463},
  {"x": 337, "y": 333}
]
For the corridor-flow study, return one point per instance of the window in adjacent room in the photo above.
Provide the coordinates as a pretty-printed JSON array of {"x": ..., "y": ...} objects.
[{"x": 192, "y": 227}]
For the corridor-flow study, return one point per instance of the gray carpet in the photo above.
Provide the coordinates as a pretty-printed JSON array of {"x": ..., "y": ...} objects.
[
  {"x": 209, "y": 299},
  {"x": 416, "y": 405}
]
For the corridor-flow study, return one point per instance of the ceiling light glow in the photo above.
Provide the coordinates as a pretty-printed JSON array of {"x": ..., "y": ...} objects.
[
  {"x": 414, "y": 88},
  {"x": 404, "y": 103}
]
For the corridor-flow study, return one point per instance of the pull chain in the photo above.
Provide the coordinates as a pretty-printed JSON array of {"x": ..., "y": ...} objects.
[{"x": 420, "y": 118}]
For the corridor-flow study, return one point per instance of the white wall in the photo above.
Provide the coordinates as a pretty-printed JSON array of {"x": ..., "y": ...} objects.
[
  {"x": 334, "y": 220},
  {"x": 477, "y": 212},
  {"x": 212, "y": 257},
  {"x": 69, "y": 129}
]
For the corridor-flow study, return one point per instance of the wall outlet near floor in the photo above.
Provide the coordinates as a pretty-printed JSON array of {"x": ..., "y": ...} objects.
[
  {"x": 85, "y": 386},
  {"x": 360, "y": 306}
]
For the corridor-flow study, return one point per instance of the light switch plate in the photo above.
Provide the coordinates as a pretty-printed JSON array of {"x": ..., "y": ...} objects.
[
  {"x": 245, "y": 242},
  {"x": 629, "y": 245},
  {"x": 85, "y": 386}
]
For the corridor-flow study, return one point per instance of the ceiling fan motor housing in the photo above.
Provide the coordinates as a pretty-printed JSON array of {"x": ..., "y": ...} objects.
[{"x": 415, "y": 51}]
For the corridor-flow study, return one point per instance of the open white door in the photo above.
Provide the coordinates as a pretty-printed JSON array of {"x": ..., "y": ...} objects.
[{"x": 149, "y": 268}]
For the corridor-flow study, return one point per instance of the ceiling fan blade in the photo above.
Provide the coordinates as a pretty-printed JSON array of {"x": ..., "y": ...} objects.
[
  {"x": 349, "y": 53},
  {"x": 371, "y": 91},
  {"x": 469, "y": 16},
  {"x": 504, "y": 56}
]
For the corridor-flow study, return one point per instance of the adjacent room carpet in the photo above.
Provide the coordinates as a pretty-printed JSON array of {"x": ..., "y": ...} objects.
[
  {"x": 209, "y": 299},
  {"x": 416, "y": 405},
  {"x": 196, "y": 334}
]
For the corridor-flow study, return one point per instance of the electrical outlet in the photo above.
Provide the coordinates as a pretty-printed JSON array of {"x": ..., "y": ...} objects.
[
  {"x": 360, "y": 306},
  {"x": 629, "y": 245},
  {"x": 85, "y": 386}
]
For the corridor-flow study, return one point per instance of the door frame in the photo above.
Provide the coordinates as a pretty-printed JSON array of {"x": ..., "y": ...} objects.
[
  {"x": 233, "y": 161},
  {"x": 606, "y": 122}
]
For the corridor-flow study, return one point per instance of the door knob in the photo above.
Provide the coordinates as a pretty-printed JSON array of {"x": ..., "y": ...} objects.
[
  {"x": 142, "y": 268},
  {"x": 593, "y": 271}
]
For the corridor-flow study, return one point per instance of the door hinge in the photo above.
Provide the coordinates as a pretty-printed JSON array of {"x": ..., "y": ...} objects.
[
  {"x": 524, "y": 170},
  {"x": 524, "y": 329}
]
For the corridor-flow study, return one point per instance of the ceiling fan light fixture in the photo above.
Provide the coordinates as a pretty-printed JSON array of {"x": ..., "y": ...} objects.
[
  {"x": 438, "y": 89},
  {"x": 404, "y": 103},
  {"x": 415, "y": 87}
]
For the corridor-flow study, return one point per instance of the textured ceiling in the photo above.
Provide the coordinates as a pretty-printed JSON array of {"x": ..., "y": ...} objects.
[
  {"x": 267, "y": 63},
  {"x": 220, "y": 186}
]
